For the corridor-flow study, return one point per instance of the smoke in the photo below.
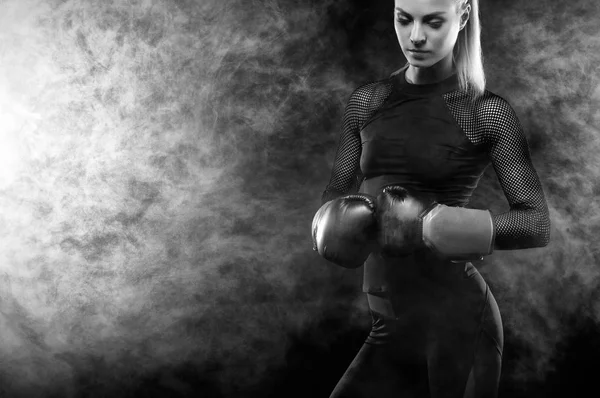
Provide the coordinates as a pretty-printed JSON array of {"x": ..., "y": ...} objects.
[
  {"x": 161, "y": 161},
  {"x": 152, "y": 201}
]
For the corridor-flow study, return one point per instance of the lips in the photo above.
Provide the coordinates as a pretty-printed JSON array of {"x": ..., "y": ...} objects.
[{"x": 418, "y": 51}]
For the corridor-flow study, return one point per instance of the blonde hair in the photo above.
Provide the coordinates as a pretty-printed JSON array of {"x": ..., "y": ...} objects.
[{"x": 467, "y": 55}]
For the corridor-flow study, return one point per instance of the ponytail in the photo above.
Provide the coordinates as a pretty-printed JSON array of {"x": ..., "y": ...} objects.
[{"x": 467, "y": 56}]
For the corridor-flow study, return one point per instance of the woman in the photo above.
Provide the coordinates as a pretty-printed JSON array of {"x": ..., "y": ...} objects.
[{"x": 419, "y": 142}]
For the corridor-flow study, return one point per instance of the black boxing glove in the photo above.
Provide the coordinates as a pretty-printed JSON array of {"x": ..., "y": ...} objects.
[
  {"x": 407, "y": 223},
  {"x": 344, "y": 230}
]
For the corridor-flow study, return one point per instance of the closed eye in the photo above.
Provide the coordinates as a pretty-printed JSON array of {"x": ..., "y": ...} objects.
[{"x": 436, "y": 24}]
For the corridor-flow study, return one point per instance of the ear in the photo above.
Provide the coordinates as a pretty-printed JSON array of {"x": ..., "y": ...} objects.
[{"x": 465, "y": 16}]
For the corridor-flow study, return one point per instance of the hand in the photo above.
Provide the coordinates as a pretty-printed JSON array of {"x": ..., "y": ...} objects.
[
  {"x": 399, "y": 220},
  {"x": 408, "y": 222},
  {"x": 344, "y": 230}
]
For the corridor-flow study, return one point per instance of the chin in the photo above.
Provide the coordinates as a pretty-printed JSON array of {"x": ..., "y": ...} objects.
[{"x": 420, "y": 64}]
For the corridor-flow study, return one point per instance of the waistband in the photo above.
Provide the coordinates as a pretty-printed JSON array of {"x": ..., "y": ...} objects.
[
  {"x": 380, "y": 284},
  {"x": 381, "y": 305}
]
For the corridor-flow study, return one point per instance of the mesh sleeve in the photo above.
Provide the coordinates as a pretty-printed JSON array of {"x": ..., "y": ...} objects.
[
  {"x": 346, "y": 174},
  {"x": 527, "y": 223}
]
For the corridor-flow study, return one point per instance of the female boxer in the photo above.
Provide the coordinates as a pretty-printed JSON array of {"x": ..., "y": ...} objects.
[{"x": 419, "y": 141}]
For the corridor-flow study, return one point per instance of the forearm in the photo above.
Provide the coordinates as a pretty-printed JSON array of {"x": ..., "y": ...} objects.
[
  {"x": 522, "y": 229},
  {"x": 337, "y": 188}
]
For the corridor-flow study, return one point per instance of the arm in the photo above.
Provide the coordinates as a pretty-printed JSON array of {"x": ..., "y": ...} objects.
[
  {"x": 346, "y": 165},
  {"x": 343, "y": 229},
  {"x": 527, "y": 223},
  {"x": 408, "y": 222}
]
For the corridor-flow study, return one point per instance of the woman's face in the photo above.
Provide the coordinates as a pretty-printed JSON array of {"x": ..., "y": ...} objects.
[{"x": 430, "y": 26}]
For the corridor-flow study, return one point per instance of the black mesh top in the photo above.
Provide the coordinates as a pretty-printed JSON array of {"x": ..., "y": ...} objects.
[{"x": 437, "y": 139}]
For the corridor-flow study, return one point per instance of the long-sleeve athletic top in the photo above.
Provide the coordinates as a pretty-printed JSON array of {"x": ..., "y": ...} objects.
[{"x": 438, "y": 139}]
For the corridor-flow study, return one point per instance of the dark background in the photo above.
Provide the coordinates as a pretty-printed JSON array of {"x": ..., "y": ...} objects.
[{"x": 160, "y": 164}]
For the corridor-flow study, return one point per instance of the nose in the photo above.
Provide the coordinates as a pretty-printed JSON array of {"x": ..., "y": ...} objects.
[{"x": 417, "y": 36}]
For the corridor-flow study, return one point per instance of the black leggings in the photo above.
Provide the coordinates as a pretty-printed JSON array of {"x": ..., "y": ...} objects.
[{"x": 441, "y": 343}]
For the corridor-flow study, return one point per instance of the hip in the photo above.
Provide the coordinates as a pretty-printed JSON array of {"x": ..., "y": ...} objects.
[
  {"x": 420, "y": 272},
  {"x": 424, "y": 311}
]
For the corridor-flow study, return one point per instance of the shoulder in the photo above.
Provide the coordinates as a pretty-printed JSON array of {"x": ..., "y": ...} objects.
[
  {"x": 372, "y": 88},
  {"x": 383, "y": 85},
  {"x": 498, "y": 120},
  {"x": 371, "y": 94},
  {"x": 494, "y": 112},
  {"x": 491, "y": 106}
]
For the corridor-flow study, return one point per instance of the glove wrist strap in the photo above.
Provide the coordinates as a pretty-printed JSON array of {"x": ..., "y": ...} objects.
[{"x": 459, "y": 233}]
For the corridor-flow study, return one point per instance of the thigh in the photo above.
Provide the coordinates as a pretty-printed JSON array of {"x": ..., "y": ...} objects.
[
  {"x": 378, "y": 371},
  {"x": 487, "y": 364},
  {"x": 448, "y": 367},
  {"x": 465, "y": 360}
]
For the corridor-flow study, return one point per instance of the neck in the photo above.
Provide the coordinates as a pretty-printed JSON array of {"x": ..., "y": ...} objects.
[{"x": 432, "y": 74}]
